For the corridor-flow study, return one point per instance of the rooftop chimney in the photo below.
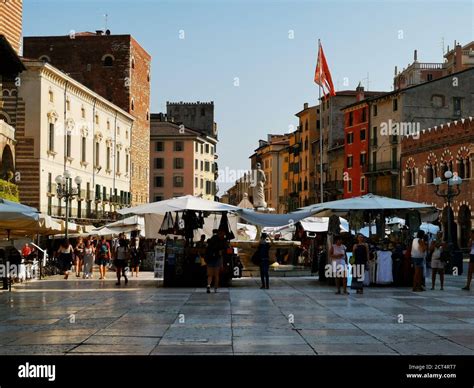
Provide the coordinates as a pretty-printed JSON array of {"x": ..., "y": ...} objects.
[
  {"x": 415, "y": 55},
  {"x": 359, "y": 92},
  {"x": 396, "y": 70},
  {"x": 305, "y": 105},
  {"x": 99, "y": 32}
]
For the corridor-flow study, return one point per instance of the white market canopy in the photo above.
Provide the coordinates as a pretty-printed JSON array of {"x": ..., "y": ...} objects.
[
  {"x": 367, "y": 202},
  {"x": 186, "y": 202}
]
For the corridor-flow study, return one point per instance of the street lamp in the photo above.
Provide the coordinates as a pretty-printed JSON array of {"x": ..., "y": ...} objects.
[
  {"x": 66, "y": 191},
  {"x": 452, "y": 190}
]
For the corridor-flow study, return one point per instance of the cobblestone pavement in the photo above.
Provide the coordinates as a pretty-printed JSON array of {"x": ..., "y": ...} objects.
[{"x": 296, "y": 316}]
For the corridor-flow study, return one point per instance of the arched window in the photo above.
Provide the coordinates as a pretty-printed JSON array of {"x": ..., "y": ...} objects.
[
  {"x": 463, "y": 163},
  {"x": 45, "y": 59},
  {"x": 430, "y": 173},
  {"x": 409, "y": 177},
  {"x": 108, "y": 60},
  {"x": 410, "y": 173}
]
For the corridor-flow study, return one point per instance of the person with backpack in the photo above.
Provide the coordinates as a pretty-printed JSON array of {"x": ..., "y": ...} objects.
[
  {"x": 216, "y": 247},
  {"x": 103, "y": 256},
  {"x": 122, "y": 255}
]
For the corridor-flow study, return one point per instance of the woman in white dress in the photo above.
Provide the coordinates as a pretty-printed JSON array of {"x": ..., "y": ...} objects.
[{"x": 337, "y": 254}]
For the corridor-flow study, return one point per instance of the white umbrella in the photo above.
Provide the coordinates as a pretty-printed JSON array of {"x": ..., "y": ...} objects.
[
  {"x": 367, "y": 202},
  {"x": 15, "y": 216},
  {"x": 186, "y": 202}
]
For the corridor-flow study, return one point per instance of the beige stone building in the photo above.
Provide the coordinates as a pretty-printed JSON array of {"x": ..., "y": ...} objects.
[
  {"x": 182, "y": 161},
  {"x": 70, "y": 127}
]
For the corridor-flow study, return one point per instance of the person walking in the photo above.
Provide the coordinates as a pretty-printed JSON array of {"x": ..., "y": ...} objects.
[
  {"x": 26, "y": 251},
  {"x": 89, "y": 253},
  {"x": 337, "y": 254},
  {"x": 103, "y": 256},
  {"x": 122, "y": 255},
  {"x": 65, "y": 257},
  {"x": 263, "y": 252},
  {"x": 360, "y": 253},
  {"x": 216, "y": 247},
  {"x": 79, "y": 256},
  {"x": 470, "y": 270},
  {"x": 135, "y": 256},
  {"x": 437, "y": 264},
  {"x": 418, "y": 253}
]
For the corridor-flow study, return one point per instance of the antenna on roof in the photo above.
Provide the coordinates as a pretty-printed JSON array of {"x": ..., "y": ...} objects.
[{"x": 106, "y": 19}]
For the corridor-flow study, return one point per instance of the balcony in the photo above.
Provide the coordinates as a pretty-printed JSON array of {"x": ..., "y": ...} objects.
[
  {"x": 336, "y": 185},
  {"x": 9, "y": 191},
  {"x": 384, "y": 168}
]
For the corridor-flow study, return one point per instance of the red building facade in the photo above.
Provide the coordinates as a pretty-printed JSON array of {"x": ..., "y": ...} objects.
[
  {"x": 423, "y": 158},
  {"x": 356, "y": 146}
]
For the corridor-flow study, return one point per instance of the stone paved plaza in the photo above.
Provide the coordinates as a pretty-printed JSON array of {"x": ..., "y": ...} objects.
[{"x": 297, "y": 316}]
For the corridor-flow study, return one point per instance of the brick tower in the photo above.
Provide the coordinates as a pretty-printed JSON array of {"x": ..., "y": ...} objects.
[
  {"x": 117, "y": 68},
  {"x": 11, "y": 16}
]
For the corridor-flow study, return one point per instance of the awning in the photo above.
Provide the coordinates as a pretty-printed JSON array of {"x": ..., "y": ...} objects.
[{"x": 186, "y": 202}]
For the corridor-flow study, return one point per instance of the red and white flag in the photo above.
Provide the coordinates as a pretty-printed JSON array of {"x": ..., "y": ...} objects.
[{"x": 322, "y": 75}]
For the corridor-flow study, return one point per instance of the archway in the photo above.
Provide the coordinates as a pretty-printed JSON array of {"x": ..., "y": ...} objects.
[
  {"x": 7, "y": 163},
  {"x": 464, "y": 219},
  {"x": 444, "y": 218}
]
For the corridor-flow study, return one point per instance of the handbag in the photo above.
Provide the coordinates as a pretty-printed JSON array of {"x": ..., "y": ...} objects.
[{"x": 256, "y": 259}]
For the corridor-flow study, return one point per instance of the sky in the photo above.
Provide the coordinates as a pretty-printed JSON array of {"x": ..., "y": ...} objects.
[{"x": 256, "y": 59}]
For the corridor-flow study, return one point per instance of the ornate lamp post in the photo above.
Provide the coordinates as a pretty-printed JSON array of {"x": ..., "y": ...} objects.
[
  {"x": 66, "y": 191},
  {"x": 452, "y": 190}
]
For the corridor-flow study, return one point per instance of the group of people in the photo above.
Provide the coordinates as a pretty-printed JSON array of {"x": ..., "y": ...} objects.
[
  {"x": 339, "y": 260},
  {"x": 421, "y": 251},
  {"x": 87, "y": 252},
  {"x": 437, "y": 250}
]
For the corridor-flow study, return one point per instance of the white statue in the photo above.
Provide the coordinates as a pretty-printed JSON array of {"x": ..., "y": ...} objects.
[{"x": 258, "y": 183}]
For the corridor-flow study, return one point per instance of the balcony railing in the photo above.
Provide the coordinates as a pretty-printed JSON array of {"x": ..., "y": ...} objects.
[
  {"x": 384, "y": 166},
  {"x": 9, "y": 191},
  {"x": 334, "y": 185}
]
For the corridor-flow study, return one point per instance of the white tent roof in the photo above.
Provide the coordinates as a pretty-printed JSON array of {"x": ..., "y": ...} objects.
[
  {"x": 366, "y": 202},
  {"x": 187, "y": 202}
]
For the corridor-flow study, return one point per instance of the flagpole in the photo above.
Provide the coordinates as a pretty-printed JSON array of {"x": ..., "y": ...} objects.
[{"x": 320, "y": 131}]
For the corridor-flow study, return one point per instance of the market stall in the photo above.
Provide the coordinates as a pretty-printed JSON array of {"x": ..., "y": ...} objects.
[{"x": 179, "y": 222}]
